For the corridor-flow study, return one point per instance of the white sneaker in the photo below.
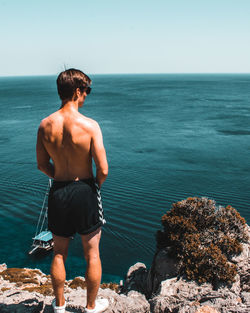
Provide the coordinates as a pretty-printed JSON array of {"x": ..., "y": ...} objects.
[
  {"x": 58, "y": 309},
  {"x": 100, "y": 306}
]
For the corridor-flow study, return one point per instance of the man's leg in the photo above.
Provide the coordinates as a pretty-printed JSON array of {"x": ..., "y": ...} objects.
[
  {"x": 57, "y": 270},
  {"x": 94, "y": 268}
]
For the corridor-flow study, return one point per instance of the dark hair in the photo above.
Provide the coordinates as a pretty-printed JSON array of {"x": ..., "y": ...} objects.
[{"x": 68, "y": 81}]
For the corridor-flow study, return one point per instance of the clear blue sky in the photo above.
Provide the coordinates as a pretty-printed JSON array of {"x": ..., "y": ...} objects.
[{"x": 124, "y": 36}]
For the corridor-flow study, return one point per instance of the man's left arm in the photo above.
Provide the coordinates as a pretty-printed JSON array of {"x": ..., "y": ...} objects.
[{"x": 42, "y": 156}]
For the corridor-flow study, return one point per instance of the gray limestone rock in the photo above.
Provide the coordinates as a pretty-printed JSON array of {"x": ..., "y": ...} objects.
[
  {"x": 163, "y": 267},
  {"x": 136, "y": 279},
  {"x": 156, "y": 290},
  {"x": 179, "y": 295},
  {"x": 206, "y": 309},
  {"x": 245, "y": 297},
  {"x": 133, "y": 302},
  {"x": 13, "y": 299},
  {"x": 21, "y": 302},
  {"x": 3, "y": 267}
]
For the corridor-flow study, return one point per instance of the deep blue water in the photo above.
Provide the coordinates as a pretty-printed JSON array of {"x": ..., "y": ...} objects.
[{"x": 167, "y": 137}]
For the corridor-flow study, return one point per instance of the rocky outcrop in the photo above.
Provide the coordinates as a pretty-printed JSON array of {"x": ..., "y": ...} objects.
[
  {"x": 157, "y": 290},
  {"x": 168, "y": 292},
  {"x": 30, "y": 291},
  {"x": 178, "y": 295},
  {"x": 161, "y": 288}
]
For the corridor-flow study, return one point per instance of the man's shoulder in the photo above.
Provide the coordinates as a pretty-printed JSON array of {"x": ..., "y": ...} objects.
[
  {"x": 49, "y": 119},
  {"x": 48, "y": 123},
  {"x": 88, "y": 122}
]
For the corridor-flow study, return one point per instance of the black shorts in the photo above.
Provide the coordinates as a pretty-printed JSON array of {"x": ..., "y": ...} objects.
[{"x": 74, "y": 206}]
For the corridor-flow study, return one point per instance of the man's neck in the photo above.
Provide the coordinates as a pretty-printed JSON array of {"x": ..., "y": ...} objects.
[{"x": 69, "y": 105}]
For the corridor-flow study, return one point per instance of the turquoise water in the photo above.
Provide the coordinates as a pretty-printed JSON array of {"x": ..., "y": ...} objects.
[{"x": 167, "y": 137}]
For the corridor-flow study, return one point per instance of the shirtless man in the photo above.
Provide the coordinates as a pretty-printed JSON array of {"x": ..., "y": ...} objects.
[{"x": 71, "y": 140}]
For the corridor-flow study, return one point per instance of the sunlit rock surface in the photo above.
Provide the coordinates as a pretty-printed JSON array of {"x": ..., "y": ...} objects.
[{"x": 161, "y": 288}]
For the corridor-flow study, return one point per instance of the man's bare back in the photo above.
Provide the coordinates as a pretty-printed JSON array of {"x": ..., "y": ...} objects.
[{"x": 71, "y": 140}]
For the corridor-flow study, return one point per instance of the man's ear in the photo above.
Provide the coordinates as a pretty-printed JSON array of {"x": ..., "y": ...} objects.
[{"x": 76, "y": 94}]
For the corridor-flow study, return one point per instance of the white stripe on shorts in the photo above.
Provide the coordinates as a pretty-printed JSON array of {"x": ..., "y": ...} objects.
[{"x": 99, "y": 199}]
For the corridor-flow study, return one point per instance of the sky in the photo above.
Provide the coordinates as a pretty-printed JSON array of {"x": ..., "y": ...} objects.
[{"x": 42, "y": 37}]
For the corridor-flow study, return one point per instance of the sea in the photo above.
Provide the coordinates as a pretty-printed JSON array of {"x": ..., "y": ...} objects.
[{"x": 167, "y": 137}]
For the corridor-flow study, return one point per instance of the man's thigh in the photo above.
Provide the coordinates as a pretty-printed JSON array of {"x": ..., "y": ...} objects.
[
  {"x": 91, "y": 242},
  {"x": 61, "y": 244}
]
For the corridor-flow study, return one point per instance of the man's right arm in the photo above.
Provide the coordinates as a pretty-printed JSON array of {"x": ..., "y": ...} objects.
[
  {"x": 99, "y": 155},
  {"x": 43, "y": 158}
]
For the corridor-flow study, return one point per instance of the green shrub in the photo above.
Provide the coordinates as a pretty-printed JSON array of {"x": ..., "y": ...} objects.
[{"x": 203, "y": 239}]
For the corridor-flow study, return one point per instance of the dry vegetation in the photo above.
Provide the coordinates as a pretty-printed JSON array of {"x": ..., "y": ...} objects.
[
  {"x": 112, "y": 286},
  {"x": 21, "y": 275},
  {"x": 30, "y": 280},
  {"x": 5, "y": 288},
  {"x": 203, "y": 238},
  {"x": 78, "y": 282},
  {"x": 45, "y": 289}
]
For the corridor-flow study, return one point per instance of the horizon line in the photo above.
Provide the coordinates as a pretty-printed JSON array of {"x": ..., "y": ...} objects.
[{"x": 151, "y": 73}]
